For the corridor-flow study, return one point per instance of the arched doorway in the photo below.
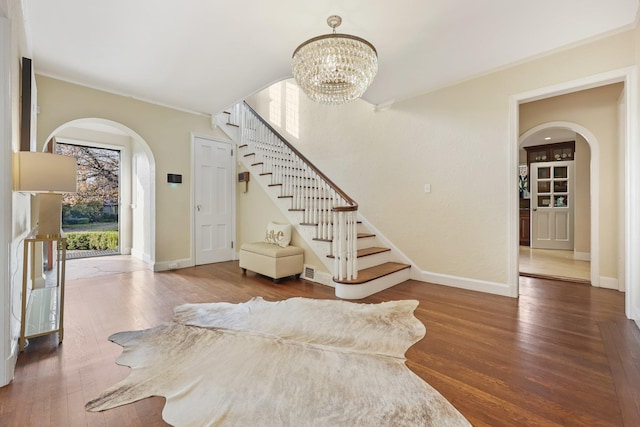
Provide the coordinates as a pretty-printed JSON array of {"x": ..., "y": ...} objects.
[
  {"x": 629, "y": 150},
  {"x": 137, "y": 186},
  {"x": 585, "y": 202}
]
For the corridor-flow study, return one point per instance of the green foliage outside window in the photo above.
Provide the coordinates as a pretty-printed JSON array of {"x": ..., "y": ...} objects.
[{"x": 92, "y": 240}]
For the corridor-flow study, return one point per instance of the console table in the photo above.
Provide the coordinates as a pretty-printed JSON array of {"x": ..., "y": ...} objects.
[{"x": 42, "y": 308}]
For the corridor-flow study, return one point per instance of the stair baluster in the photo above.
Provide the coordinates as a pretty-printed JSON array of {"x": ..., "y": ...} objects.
[{"x": 322, "y": 202}]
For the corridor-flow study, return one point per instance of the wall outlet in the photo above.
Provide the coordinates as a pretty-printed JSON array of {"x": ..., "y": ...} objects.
[{"x": 427, "y": 188}]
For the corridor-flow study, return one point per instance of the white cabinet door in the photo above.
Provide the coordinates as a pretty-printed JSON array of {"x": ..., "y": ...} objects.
[{"x": 552, "y": 201}]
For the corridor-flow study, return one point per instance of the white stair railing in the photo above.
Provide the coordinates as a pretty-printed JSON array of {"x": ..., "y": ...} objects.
[{"x": 322, "y": 203}]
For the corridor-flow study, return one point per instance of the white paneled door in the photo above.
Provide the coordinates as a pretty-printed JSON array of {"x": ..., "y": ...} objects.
[
  {"x": 552, "y": 200},
  {"x": 213, "y": 166}
]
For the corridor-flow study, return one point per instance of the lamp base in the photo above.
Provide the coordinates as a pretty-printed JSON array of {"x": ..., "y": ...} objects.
[{"x": 49, "y": 215}]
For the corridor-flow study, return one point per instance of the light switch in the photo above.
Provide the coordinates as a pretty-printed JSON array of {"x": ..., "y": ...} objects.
[{"x": 427, "y": 188}]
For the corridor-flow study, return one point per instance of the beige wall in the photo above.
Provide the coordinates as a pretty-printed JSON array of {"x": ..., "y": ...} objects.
[
  {"x": 166, "y": 131},
  {"x": 596, "y": 110},
  {"x": 457, "y": 140}
]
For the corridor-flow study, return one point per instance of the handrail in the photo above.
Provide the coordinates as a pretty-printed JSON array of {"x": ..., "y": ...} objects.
[{"x": 353, "y": 205}]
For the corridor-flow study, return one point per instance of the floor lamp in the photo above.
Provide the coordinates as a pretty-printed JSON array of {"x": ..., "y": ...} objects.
[{"x": 48, "y": 175}]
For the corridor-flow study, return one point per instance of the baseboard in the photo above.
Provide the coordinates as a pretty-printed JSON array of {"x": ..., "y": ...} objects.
[
  {"x": 10, "y": 364},
  {"x": 502, "y": 289},
  {"x": 609, "y": 283},
  {"x": 582, "y": 256},
  {"x": 318, "y": 276},
  {"x": 141, "y": 255},
  {"x": 172, "y": 265}
]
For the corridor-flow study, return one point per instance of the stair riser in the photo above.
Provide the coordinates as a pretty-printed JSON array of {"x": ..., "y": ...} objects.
[
  {"x": 373, "y": 260},
  {"x": 221, "y": 120},
  {"x": 366, "y": 289},
  {"x": 366, "y": 242}
]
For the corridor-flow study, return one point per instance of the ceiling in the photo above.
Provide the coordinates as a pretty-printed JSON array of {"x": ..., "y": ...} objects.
[{"x": 204, "y": 55}]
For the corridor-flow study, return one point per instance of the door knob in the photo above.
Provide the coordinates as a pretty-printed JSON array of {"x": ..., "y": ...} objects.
[{"x": 198, "y": 207}]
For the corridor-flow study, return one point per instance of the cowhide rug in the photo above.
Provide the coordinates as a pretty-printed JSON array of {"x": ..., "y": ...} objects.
[{"x": 298, "y": 362}]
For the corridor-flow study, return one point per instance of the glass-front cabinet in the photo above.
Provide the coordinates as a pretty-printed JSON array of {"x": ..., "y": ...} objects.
[{"x": 553, "y": 186}]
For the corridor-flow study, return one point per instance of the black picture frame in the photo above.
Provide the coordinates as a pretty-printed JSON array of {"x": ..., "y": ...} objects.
[{"x": 26, "y": 107}]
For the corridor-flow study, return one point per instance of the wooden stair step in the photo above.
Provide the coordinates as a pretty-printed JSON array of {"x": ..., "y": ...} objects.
[
  {"x": 367, "y": 251},
  {"x": 257, "y": 164},
  {"x": 299, "y": 177},
  {"x": 315, "y": 224},
  {"x": 234, "y": 125},
  {"x": 360, "y": 236},
  {"x": 243, "y": 146},
  {"x": 372, "y": 273},
  {"x": 309, "y": 197},
  {"x": 364, "y": 235}
]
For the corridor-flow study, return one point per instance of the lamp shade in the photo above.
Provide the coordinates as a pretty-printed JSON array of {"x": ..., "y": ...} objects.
[{"x": 44, "y": 173}]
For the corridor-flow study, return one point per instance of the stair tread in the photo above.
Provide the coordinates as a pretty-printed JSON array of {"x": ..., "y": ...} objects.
[
  {"x": 298, "y": 186},
  {"x": 308, "y": 197},
  {"x": 375, "y": 272},
  {"x": 315, "y": 224},
  {"x": 367, "y": 251},
  {"x": 360, "y": 236}
]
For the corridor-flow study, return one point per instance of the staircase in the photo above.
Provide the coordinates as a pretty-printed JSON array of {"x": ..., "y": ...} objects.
[{"x": 324, "y": 215}]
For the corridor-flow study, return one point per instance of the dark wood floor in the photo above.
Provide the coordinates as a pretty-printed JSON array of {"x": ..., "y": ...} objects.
[{"x": 561, "y": 355}]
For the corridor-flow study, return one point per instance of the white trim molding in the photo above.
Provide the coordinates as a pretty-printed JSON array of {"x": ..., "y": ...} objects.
[
  {"x": 503, "y": 289},
  {"x": 172, "y": 264},
  {"x": 582, "y": 256},
  {"x": 8, "y": 346},
  {"x": 609, "y": 283}
]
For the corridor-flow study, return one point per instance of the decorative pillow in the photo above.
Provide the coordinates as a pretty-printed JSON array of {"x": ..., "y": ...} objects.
[{"x": 278, "y": 234}]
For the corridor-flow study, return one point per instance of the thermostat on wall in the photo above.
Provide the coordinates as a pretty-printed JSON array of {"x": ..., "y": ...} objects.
[{"x": 174, "y": 178}]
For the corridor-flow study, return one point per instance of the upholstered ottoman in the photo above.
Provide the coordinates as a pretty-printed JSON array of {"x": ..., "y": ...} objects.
[{"x": 271, "y": 260}]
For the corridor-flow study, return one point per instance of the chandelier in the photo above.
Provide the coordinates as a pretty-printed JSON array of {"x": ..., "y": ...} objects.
[{"x": 334, "y": 68}]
